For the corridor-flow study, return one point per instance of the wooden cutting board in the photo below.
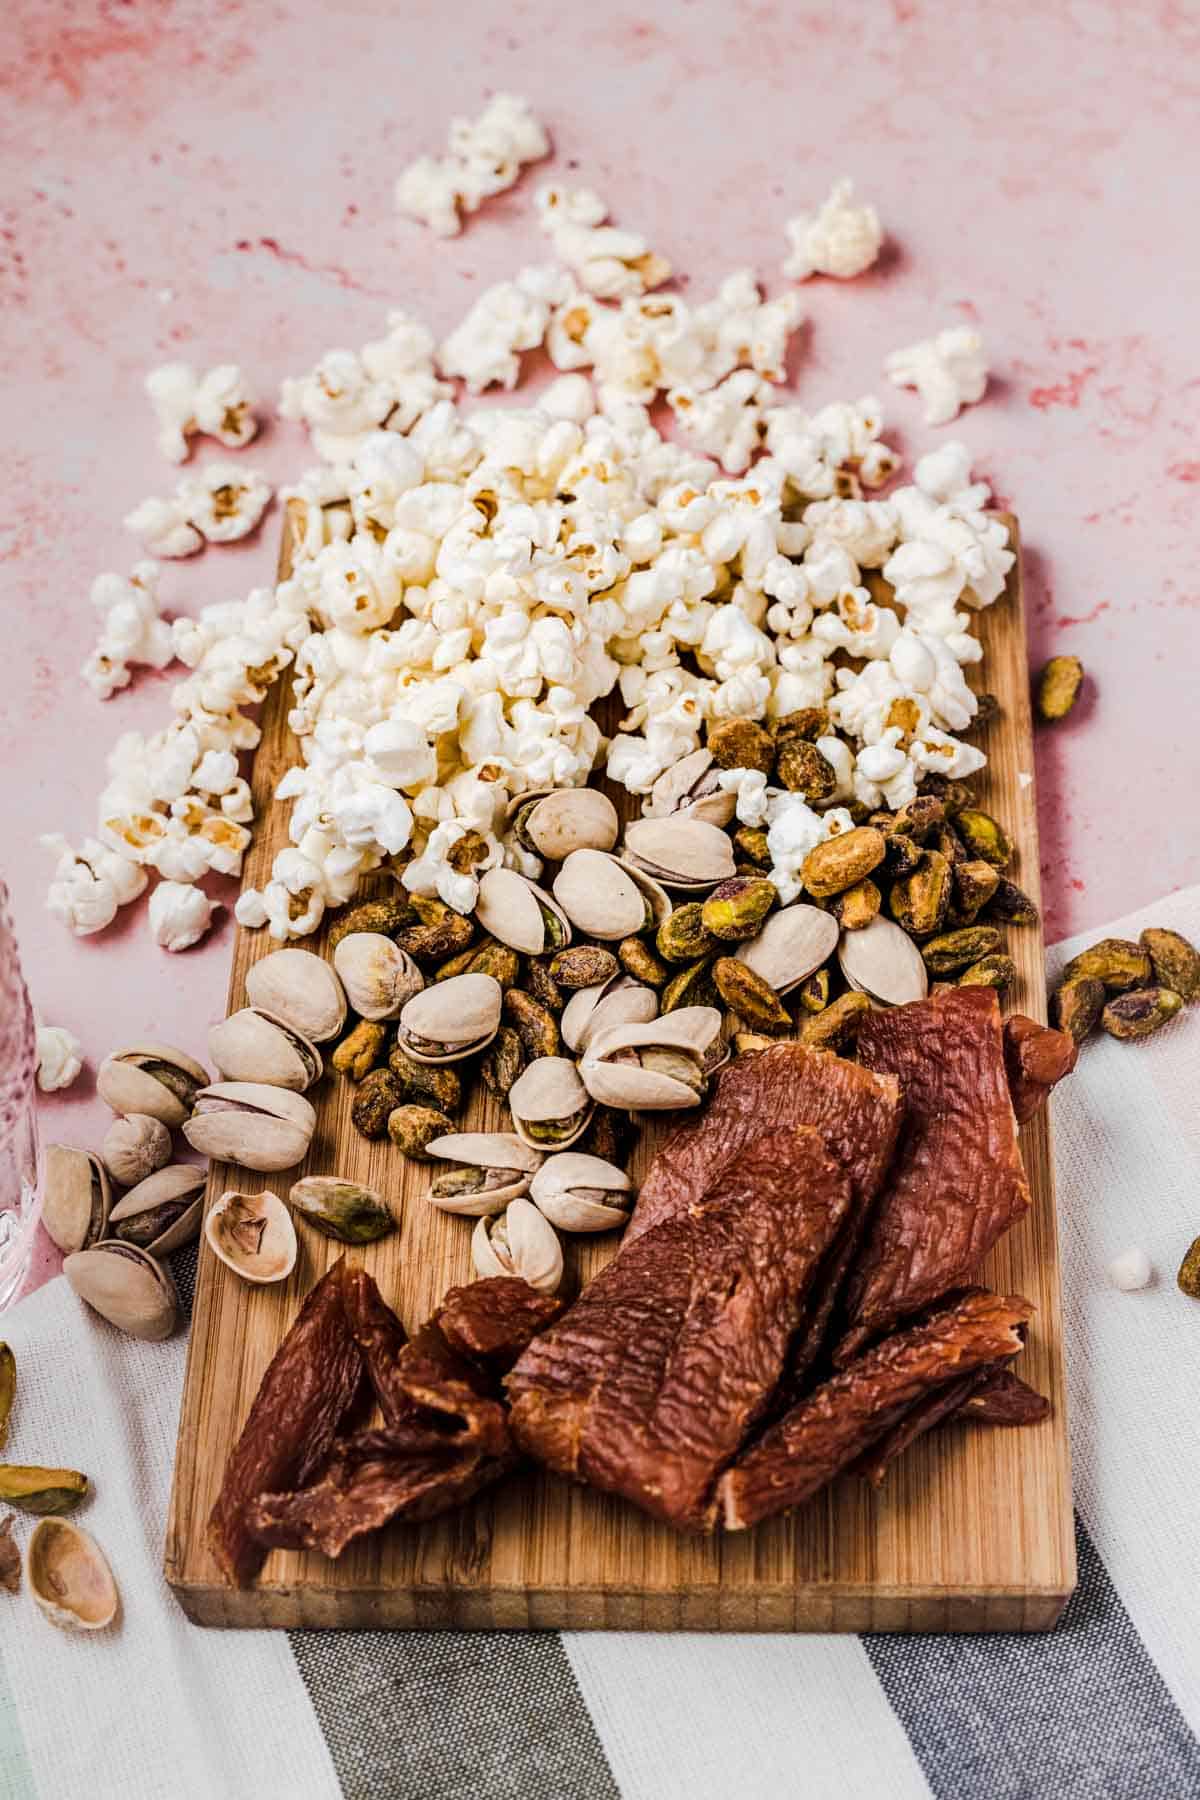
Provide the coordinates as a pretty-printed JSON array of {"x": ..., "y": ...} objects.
[{"x": 973, "y": 1531}]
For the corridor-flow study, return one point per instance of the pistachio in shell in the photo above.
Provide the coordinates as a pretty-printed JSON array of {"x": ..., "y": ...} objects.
[
  {"x": 541, "y": 985},
  {"x": 953, "y": 951},
  {"x": 252, "y": 1124},
  {"x": 386, "y": 916},
  {"x": 656, "y": 1067},
  {"x": 690, "y": 986},
  {"x": 737, "y": 909},
  {"x": 1058, "y": 688},
  {"x": 134, "y": 1147},
  {"x": 534, "y": 1024},
  {"x": 1011, "y": 904},
  {"x": 412, "y": 1128},
  {"x": 76, "y": 1198},
  {"x": 378, "y": 1096},
  {"x": 47, "y": 1493},
  {"x": 299, "y": 988},
  {"x": 1118, "y": 962},
  {"x": 684, "y": 936},
  {"x": 450, "y": 1020},
  {"x": 69, "y": 1577},
  {"x": 253, "y": 1235},
  {"x": 162, "y": 1213},
  {"x": 155, "y": 1079},
  {"x": 502, "y": 1062},
  {"x": 553, "y": 825},
  {"x": 840, "y": 861},
  {"x": 8, "y": 1390},
  {"x": 692, "y": 786},
  {"x": 751, "y": 845},
  {"x": 586, "y": 965},
  {"x": 516, "y": 912},
  {"x": 519, "y": 1242},
  {"x": 577, "y": 1192},
  {"x": 751, "y": 997},
  {"x": 837, "y": 1025},
  {"x": 883, "y": 962},
  {"x": 341, "y": 1209},
  {"x": 436, "y": 938},
  {"x": 920, "y": 902},
  {"x": 378, "y": 976},
  {"x": 793, "y": 943},
  {"x": 489, "y": 1168},
  {"x": 804, "y": 769},
  {"x": 984, "y": 839},
  {"x": 549, "y": 1104},
  {"x": 252, "y": 1045},
  {"x": 361, "y": 1050},
  {"x": 619, "y": 1001},
  {"x": 1175, "y": 961},
  {"x": 856, "y": 906},
  {"x": 639, "y": 960},
  {"x": 998, "y": 971},
  {"x": 127, "y": 1287},
  {"x": 814, "y": 991},
  {"x": 741, "y": 744},
  {"x": 680, "y": 852},
  {"x": 975, "y": 882},
  {"x": 438, "y": 1083},
  {"x": 1140, "y": 1012},
  {"x": 1077, "y": 1005},
  {"x": 606, "y": 898}
]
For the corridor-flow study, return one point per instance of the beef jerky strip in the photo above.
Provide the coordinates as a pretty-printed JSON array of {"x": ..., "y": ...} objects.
[
  {"x": 1037, "y": 1059},
  {"x": 496, "y": 1319},
  {"x": 957, "y": 1183},
  {"x": 989, "y": 1397},
  {"x": 919, "y": 1419},
  {"x": 312, "y": 1382},
  {"x": 649, "y": 1384},
  {"x": 841, "y": 1420},
  {"x": 1002, "y": 1398}
]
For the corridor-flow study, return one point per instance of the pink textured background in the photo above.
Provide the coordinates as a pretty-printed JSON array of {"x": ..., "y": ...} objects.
[{"x": 213, "y": 181}]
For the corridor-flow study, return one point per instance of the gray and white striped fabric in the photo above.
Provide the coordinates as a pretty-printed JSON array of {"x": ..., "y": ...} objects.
[{"x": 1108, "y": 1705}]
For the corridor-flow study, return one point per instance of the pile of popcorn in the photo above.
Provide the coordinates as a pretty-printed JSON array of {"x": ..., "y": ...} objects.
[{"x": 468, "y": 583}]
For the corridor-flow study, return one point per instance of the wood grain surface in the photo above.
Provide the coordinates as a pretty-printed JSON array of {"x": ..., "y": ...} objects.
[{"x": 972, "y": 1531}]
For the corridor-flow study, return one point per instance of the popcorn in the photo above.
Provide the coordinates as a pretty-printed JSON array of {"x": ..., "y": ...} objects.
[
  {"x": 726, "y": 421},
  {"x": 179, "y": 915},
  {"x": 219, "y": 504},
  {"x": 165, "y": 527},
  {"x": 949, "y": 371},
  {"x": 339, "y": 401},
  {"x": 434, "y": 873},
  {"x": 607, "y": 262},
  {"x": 793, "y": 830},
  {"x": 131, "y": 631},
  {"x": 507, "y": 318},
  {"x": 59, "y": 1056},
  {"x": 90, "y": 884},
  {"x": 485, "y": 158},
  {"x": 842, "y": 239},
  {"x": 216, "y": 404},
  {"x": 571, "y": 397}
]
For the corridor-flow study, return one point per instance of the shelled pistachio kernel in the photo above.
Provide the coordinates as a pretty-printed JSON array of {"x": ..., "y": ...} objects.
[
  {"x": 378, "y": 1094},
  {"x": 534, "y": 1024},
  {"x": 856, "y": 906},
  {"x": 1189, "y": 1271},
  {"x": 361, "y": 1050},
  {"x": 920, "y": 902},
  {"x": 1140, "y": 1012},
  {"x": 807, "y": 722},
  {"x": 736, "y": 909},
  {"x": 805, "y": 770},
  {"x": 1058, "y": 687},
  {"x": 751, "y": 844},
  {"x": 1011, "y": 904},
  {"x": 438, "y": 1083},
  {"x": 985, "y": 839},
  {"x": 841, "y": 861},
  {"x": 1117, "y": 962},
  {"x": 741, "y": 744},
  {"x": 953, "y": 951},
  {"x": 502, "y": 1062},
  {"x": 584, "y": 965},
  {"x": 1077, "y": 1005},
  {"x": 387, "y": 917},
  {"x": 997, "y": 971},
  {"x": 1175, "y": 961},
  {"x": 639, "y": 960},
  {"x": 412, "y": 1128},
  {"x": 751, "y": 997},
  {"x": 690, "y": 986},
  {"x": 813, "y": 992},
  {"x": 541, "y": 985},
  {"x": 974, "y": 884},
  {"x": 836, "y": 1026},
  {"x": 684, "y": 936}
]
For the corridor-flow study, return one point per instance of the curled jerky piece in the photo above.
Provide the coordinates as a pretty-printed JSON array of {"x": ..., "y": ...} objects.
[
  {"x": 842, "y": 1419},
  {"x": 1002, "y": 1398},
  {"x": 1036, "y": 1059},
  {"x": 942, "y": 1404}
]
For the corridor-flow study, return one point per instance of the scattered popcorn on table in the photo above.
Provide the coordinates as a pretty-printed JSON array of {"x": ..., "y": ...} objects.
[
  {"x": 59, "y": 1056},
  {"x": 510, "y": 317},
  {"x": 842, "y": 239},
  {"x": 485, "y": 158},
  {"x": 90, "y": 884},
  {"x": 949, "y": 371},
  {"x": 131, "y": 630},
  {"x": 219, "y": 504},
  {"x": 607, "y": 261},
  {"x": 179, "y": 915},
  {"x": 164, "y": 527},
  {"x": 216, "y": 404},
  {"x": 1131, "y": 1270}
]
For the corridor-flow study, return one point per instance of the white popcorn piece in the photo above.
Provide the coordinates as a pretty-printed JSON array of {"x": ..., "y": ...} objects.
[
  {"x": 571, "y": 397},
  {"x": 339, "y": 401},
  {"x": 506, "y": 319},
  {"x": 842, "y": 239},
  {"x": 165, "y": 527},
  {"x": 726, "y": 421},
  {"x": 750, "y": 786},
  {"x": 216, "y": 404},
  {"x": 180, "y": 914},
  {"x": 949, "y": 371},
  {"x": 486, "y": 157},
  {"x": 131, "y": 631},
  {"x": 224, "y": 502},
  {"x": 90, "y": 884},
  {"x": 608, "y": 262},
  {"x": 59, "y": 1056},
  {"x": 1131, "y": 1270},
  {"x": 432, "y": 874},
  {"x": 793, "y": 830}
]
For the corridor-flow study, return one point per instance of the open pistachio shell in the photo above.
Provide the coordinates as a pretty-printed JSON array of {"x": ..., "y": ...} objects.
[
  {"x": 161, "y": 1214},
  {"x": 549, "y": 1104},
  {"x": 299, "y": 987},
  {"x": 451, "y": 1019},
  {"x": 520, "y": 1242},
  {"x": 151, "y": 1078},
  {"x": 125, "y": 1286},
  {"x": 882, "y": 962},
  {"x": 582, "y": 1193},
  {"x": 344, "y": 1210},
  {"x": 69, "y": 1577},
  {"x": 565, "y": 819},
  {"x": 681, "y": 852},
  {"x": 491, "y": 1168},
  {"x": 253, "y": 1045},
  {"x": 692, "y": 787},
  {"x": 252, "y": 1124},
  {"x": 618, "y": 1001},
  {"x": 790, "y": 946},
  {"x": 655, "y": 1067},
  {"x": 76, "y": 1198},
  {"x": 253, "y": 1235},
  {"x": 517, "y": 912},
  {"x": 606, "y": 898},
  {"x": 378, "y": 976}
]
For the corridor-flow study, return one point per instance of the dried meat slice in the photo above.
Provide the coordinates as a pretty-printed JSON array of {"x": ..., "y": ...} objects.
[
  {"x": 923, "y": 1417},
  {"x": 843, "y": 1418},
  {"x": 649, "y": 1384},
  {"x": 1002, "y": 1398},
  {"x": 1037, "y": 1059},
  {"x": 496, "y": 1319},
  {"x": 957, "y": 1183}
]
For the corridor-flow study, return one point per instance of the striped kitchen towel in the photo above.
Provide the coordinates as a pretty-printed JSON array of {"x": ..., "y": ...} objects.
[{"x": 1108, "y": 1705}]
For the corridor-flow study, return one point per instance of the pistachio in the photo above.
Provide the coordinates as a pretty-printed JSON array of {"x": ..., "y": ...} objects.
[
  {"x": 502, "y": 1062},
  {"x": 519, "y": 1242},
  {"x": 751, "y": 997},
  {"x": 1058, "y": 687},
  {"x": 254, "y": 1046},
  {"x": 618, "y": 1001},
  {"x": 916, "y": 820},
  {"x": 1189, "y": 1271},
  {"x": 554, "y": 824},
  {"x": 361, "y": 1050},
  {"x": 587, "y": 965},
  {"x": 1011, "y": 905},
  {"x": 153, "y": 1079},
  {"x": 920, "y": 902},
  {"x": 655, "y": 1067},
  {"x": 536, "y": 1027},
  {"x": 998, "y": 971},
  {"x": 76, "y": 1198},
  {"x": 462, "y": 963},
  {"x": 413, "y": 1128},
  {"x": 791, "y": 945},
  {"x": 582, "y": 1193},
  {"x": 248, "y": 1123},
  {"x": 43, "y": 1492},
  {"x": 549, "y": 1104},
  {"x": 344, "y": 1210},
  {"x": 134, "y": 1147},
  {"x": 69, "y": 1577},
  {"x": 300, "y": 989},
  {"x": 680, "y": 852},
  {"x": 903, "y": 854},
  {"x": 946, "y": 840},
  {"x": 804, "y": 769},
  {"x": 1117, "y": 962},
  {"x": 813, "y": 992},
  {"x": 385, "y": 917},
  {"x": 379, "y": 1093},
  {"x": 883, "y": 961},
  {"x": 1137, "y": 1014},
  {"x": 741, "y": 744},
  {"x": 125, "y": 1286},
  {"x": 751, "y": 844},
  {"x": 491, "y": 1168},
  {"x": 436, "y": 937},
  {"x": 253, "y": 1235},
  {"x": 684, "y": 936},
  {"x": 490, "y": 958},
  {"x": 639, "y": 960},
  {"x": 987, "y": 711},
  {"x": 985, "y": 840},
  {"x": 737, "y": 909},
  {"x": 378, "y": 976},
  {"x": 807, "y": 723},
  {"x": 690, "y": 986},
  {"x": 954, "y": 795},
  {"x": 692, "y": 787},
  {"x": 1077, "y": 1006},
  {"x": 162, "y": 1213},
  {"x": 955, "y": 950},
  {"x": 438, "y": 1083},
  {"x": 611, "y": 1135},
  {"x": 516, "y": 912},
  {"x": 974, "y": 884},
  {"x": 1175, "y": 961},
  {"x": 542, "y": 987},
  {"x": 836, "y": 1026},
  {"x": 856, "y": 906},
  {"x": 8, "y": 1390},
  {"x": 450, "y": 1020},
  {"x": 841, "y": 861},
  {"x": 605, "y": 898}
]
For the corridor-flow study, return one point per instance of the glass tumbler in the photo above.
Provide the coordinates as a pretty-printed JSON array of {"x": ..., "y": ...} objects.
[{"x": 19, "y": 1190}]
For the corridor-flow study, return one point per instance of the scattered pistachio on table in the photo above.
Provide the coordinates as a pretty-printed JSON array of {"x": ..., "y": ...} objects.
[{"x": 1058, "y": 687}]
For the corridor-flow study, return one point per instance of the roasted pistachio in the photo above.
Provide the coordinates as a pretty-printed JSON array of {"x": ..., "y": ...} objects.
[
  {"x": 974, "y": 884},
  {"x": 450, "y": 1020},
  {"x": 438, "y": 1083},
  {"x": 134, "y": 1147},
  {"x": 461, "y": 964},
  {"x": 549, "y": 1104},
  {"x": 586, "y": 965},
  {"x": 344, "y": 1210},
  {"x": 153, "y": 1079},
  {"x": 836, "y": 1026},
  {"x": 945, "y": 839},
  {"x": 490, "y": 1168},
  {"x": 387, "y": 917},
  {"x": 499, "y": 961},
  {"x": 44, "y": 1492},
  {"x": 804, "y": 769},
  {"x": 253, "y": 1235},
  {"x": 8, "y": 1390},
  {"x": 903, "y": 854},
  {"x": 1011, "y": 904},
  {"x": 361, "y": 1050},
  {"x": 606, "y": 898},
  {"x": 1189, "y": 1271},
  {"x": 1175, "y": 961},
  {"x": 69, "y": 1578},
  {"x": 856, "y": 906},
  {"x": 516, "y": 912},
  {"x": 301, "y": 989},
  {"x": 998, "y": 971},
  {"x": 520, "y": 1242},
  {"x": 916, "y": 820},
  {"x": 807, "y": 723},
  {"x": 956, "y": 950},
  {"x": 920, "y": 902},
  {"x": 750, "y": 997},
  {"x": 542, "y": 987},
  {"x": 125, "y": 1286},
  {"x": 1138, "y": 1013},
  {"x": 554, "y": 824},
  {"x": 793, "y": 942},
  {"x": 377, "y": 1097},
  {"x": 654, "y": 1067},
  {"x": 249, "y": 1123},
  {"x": 987, "y": 711},
  {"x": 1077, "y": 1006},
  {"x": 954, "y": 795},
  {"x": 985, "y": 839},
  {"x": 680, "y": 852},
  {"x": 161, "y": 1214},
  {"x": 1058, "y": 687},
  {"x": 841, "y": 861},
  {"x": 741, "y": 744},
  {"x": 378, "y": 976},
  {"x": 502, "y": 1062},
  {"x": 535, "y": 1025},
  {"x": 413, "y": 1128},
  {"x": 1117, "y": 962},
  {"x": 684, "y": 936},
  {"x": 251, "y": 1045},
  {"x": 76, "y": 1198},
  {"x": 883, "y": 961},
  {"x": 751, "y": 844},
  {"x": 737, "y": 909},
  {"x": 813, "y": 992},
  {"x": 436, "y": 938},
  {"x": 639, "y": 960},
  {"x": 690, "y": 986},
  {"x": 577, "y": 1192}
]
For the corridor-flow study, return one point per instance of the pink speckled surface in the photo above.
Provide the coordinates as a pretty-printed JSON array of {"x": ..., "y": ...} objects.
[{"x": 214, "y": 181}]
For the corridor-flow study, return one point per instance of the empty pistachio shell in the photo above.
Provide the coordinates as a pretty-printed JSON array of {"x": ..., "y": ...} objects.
[
  {"x": 692, "y": 786},
  {"x": 519, "y": 1242},
  {"x": 451, "y": 1019},
  {"x": 681, "y": 852},
  {"x": 252, "y": 1045},
  {"x": 344, "y": 1210},
  {"x": 378, "y": 976},
  {"x": 44, "y": 1492},
  {"x": 554, "y": 824},
  {"x": 252, "y": 1124},
  {"x": 605, "y": 898},
  {"x": 253, "y": 1235},
  {"x": 582, "y": 1193},
  {"x": 621, "y": 1001},
  {"x": 134, "y": 1147},
  {"x": 125, "y": 1286},
  {"x": 654, "y": 1067},
  {"x": 882, "y": 961},
  {"x": 76, "y": 1198},
  {"x": 69, "y": 1577},
  {"x": 490, "y": 1169},
  {"x": 151, "y": 1078},
  {"x": 162, "y": 1213},
  {"x": 790, "y": 946},
  {"x": 549, "y": 1104},
  {"x": 300, "y": 988},
  {"x": 520, "y": 914}
]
